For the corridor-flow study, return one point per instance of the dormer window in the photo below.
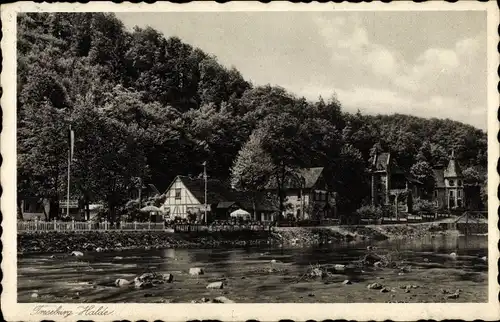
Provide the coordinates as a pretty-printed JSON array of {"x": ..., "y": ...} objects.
[
  {"x": 451, "y": 183},
  {"x": 459, "y": 183}
]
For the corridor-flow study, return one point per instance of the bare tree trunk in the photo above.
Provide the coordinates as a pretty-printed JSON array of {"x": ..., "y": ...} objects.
[
  {"x": 19, "y": 210},
  {"x": 253, "y": 205}
]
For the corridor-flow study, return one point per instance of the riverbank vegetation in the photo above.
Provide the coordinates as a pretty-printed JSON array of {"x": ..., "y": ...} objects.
[{"x": 146, "y": 105}]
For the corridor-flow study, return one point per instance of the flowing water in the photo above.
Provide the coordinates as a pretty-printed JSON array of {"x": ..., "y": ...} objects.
[{"x": 263, "y": 274}]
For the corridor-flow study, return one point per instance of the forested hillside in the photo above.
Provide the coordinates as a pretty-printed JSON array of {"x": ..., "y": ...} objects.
[{"x": 145, "y": 105}]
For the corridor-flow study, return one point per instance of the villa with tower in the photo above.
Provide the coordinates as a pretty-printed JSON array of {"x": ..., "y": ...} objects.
[
  {"x": 449, "y": 189},
  {"x": 392, "y": 186}
]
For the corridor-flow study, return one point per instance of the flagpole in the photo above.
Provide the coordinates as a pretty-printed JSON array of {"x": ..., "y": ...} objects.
[
  {"x": 205, "y": 177},
  {"x": 69, "y": 172}
]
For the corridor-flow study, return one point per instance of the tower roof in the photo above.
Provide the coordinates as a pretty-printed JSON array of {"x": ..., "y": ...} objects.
[{"x": 453, "y": 169}]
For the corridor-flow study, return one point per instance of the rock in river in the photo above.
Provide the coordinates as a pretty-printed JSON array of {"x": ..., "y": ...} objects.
[
  {"x": 222, "y": 299},
  {"x": 347, "y": 282},
  {"x": 122, "y": 282},
  {"x": 339, "y": 268},
  {"x": 76, "y": 253},
  {"x": 196, "y": 271},
  {"x": 168, "y": 278},
  {"x": 375, "y": 286},
  {"x": 215, "y": 285}
]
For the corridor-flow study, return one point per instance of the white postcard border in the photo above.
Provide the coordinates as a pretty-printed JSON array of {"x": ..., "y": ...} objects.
[{"x": 237, "y": 312}]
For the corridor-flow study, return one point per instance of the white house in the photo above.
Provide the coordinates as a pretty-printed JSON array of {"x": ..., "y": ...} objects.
[{"x": 186, "y": 195}]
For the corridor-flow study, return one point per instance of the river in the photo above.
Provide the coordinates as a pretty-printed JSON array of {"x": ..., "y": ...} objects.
[{"x": 257, "y": 275}]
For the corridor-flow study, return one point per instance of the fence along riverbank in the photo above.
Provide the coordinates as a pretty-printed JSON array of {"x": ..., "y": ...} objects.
[{"x": 41, "y": 226}]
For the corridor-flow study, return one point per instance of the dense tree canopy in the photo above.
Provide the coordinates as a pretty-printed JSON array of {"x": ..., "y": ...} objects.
[{"x": 144, "y": 105}]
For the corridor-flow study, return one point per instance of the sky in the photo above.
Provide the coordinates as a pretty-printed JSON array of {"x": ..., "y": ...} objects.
[{"x": 428, "y": 64}]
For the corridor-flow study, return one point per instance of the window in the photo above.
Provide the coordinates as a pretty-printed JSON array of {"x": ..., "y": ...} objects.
[
  {"x": 26, "y": 206},
  {"x": 452, "y": 193},
  {"x": 451, "y": 183},
  {"x": 299, "y": 195},
  {"x": 177, "y": 193},
  {"x": 459, "y": 193},
  {"x": 459, "y": 183},
  {"x": 435, "y": 193}
]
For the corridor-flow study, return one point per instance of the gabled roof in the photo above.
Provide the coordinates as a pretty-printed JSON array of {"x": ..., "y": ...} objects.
[
  {"x": 305, "y": 178},
  {"x": 223, "y": 196},
  {"x": 310, "y": 176},
  {"x": 216, "y": 190}
]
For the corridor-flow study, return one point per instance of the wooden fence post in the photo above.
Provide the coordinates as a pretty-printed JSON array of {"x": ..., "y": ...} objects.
[
  {"x": 149, "y": 225},
  {"x": 55, "y": 224},
  {"x": 135, "y": 225},
  {"x": 90, "y": 225},
  {"x": 36, "y": 224},
  {"x": 73, "y": 224}
]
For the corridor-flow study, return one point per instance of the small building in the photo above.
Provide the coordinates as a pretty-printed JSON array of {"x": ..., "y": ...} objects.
[
  {"x": 449, "y": 189},
  {"x": 390, "y": 185},
  {"x": 185, "y": 197},
  {"x": 308, "y": 195}
]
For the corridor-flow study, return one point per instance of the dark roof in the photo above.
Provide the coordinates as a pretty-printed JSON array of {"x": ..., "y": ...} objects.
[
  {"x": 305, "y": 178},
  {"x": 453, "y": 169},
  {"x": 439, "y": 177},
  {"x": 412, "y": 179},
  {"x": 225, "y": 204},
  {"x": 261, "y": 200},
  {"x": 223, "y": 196},
  {"x": 216, "y": 190}
]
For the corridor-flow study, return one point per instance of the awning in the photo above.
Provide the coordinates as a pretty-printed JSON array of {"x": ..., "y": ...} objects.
[{"x": 240, "y": 213}]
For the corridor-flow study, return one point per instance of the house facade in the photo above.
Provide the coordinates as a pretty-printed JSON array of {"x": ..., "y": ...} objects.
[
  {"x": 307, "y": 196},
  {"x": 449, "y": 192},
  {"x": 390, "y": 185},
  {"x": 185, "y": 197}
]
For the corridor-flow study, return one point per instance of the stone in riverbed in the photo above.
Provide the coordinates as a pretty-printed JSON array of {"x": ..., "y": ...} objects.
[
  {"x": 34, "y": 295},
  {"x": 339, "y": 268},
  {"x": 215, "y": 285},
  {"x": 375, "y": 286},
  {"x": 99, "y": 249},
  {"x": 139, "y": 284},
  {"x": 168, "y": 278},
  {"x": 484, "y": 259},
  {"x": 76, "y": 253},
  {"x": 117, "y": 257},
  {"x": 222, "y": 299},
  {"x": 122, "y": 282},
  {"x": 316, "y": 272},
  {"x": 196, "y": 271},
  {"x": 347, "y": 282},
  {"x": 377, "y": 264},
  {"x": 454, "y": 295},
  {"x": 385, "y": 290}
]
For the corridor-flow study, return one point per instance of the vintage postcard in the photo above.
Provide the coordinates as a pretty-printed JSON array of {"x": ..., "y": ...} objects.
[{"x": 250, "y": 161}]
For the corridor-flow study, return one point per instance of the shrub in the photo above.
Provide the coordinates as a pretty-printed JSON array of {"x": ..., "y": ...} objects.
[
  {"x": 369, "y": 211},
  {"x": 422, "y": 205}
]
